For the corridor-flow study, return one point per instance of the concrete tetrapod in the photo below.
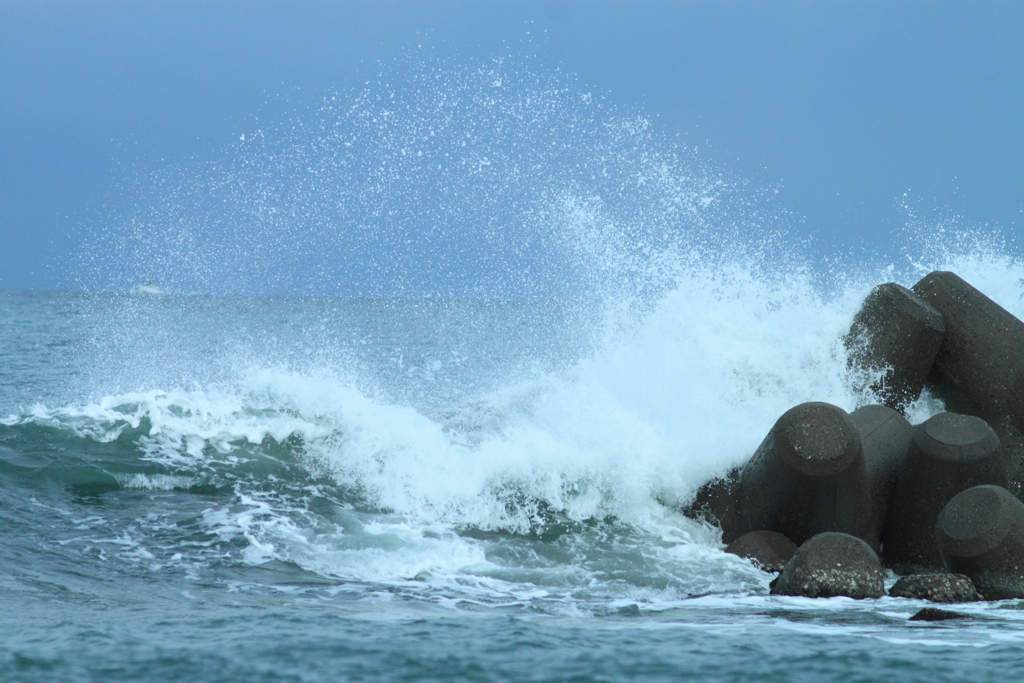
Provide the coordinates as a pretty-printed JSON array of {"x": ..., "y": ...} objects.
[
  {"x": 829, "y": 565},
  {"x": 895, "y": 337},
  {"x": 980, "y": 534},
  {"x": 808, "y": 476},
  {"x": 949, "y": 452},
  {"x": 979, "y": 368},
  {"x": 718, "y": 502},
  {"x": 769, "y": 549},
  {"x": 885, "y": 437},
  {"x": 943, "y": 587}
]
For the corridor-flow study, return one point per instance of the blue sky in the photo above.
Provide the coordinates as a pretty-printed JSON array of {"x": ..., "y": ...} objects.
[{"x": 843, "y": 106}]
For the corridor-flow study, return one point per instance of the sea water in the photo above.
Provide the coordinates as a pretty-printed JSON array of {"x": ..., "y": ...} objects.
[{"x": 472, "y": 468}]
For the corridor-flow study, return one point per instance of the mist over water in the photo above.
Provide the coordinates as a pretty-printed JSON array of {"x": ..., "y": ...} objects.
[
  {"x": 472, "y": 333},
  {"x": 503, "y": 181}
]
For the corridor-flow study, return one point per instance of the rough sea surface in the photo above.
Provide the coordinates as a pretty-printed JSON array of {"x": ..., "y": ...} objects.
[
  {"x": 498, "y": 503},
  {"x": 433, "y": 369}
]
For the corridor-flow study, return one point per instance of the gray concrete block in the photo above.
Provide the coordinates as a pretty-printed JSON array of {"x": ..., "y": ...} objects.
[
  {"x": 980, "y": 533},
  {"x": 830, "y": 565},
  {"x": 897, "y": 333},
  {"x": 885, "y": 437},
  {"x": 808, "y": 476},
  {"x": 944, "y": 587},
  {"x": 979, "y": 368},
  {"x": 949, "y": 453},
  {"x": 770, "y": 550}
]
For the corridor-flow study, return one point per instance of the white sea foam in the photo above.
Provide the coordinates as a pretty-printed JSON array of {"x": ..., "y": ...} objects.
[
  {"x": 686, "y": 393},
  {"x": 714, "y": 323}
]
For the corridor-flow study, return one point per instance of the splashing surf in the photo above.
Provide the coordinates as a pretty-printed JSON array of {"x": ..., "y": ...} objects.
[{"x": 567, "y": 323}]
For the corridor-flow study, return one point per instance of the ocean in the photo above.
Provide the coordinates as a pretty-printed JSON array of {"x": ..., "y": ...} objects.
[
  {"x": 473, "y": 468},
  {"x": 419, "y": 490}
]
